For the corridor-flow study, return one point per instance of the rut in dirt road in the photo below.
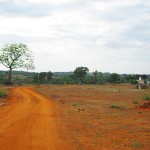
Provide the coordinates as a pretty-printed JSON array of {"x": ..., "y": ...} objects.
[{"x": 27, "y": 123}]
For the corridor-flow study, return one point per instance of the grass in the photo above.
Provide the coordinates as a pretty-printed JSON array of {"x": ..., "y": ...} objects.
[
  {"x": 140, "y": 112},
  {"x": 74, "y": 104},
  {"x": 137, "y": 145},
  {"x": 3, "y": 94},
  {"x": 146, "y": 97},
  {"x": 135, "y": 101},
  {"x": 117, "y": 106},
  {"x": 113, "y": 106}
]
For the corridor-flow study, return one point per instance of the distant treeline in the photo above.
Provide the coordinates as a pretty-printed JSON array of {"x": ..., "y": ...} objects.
[{"x": 23, "y": 77}]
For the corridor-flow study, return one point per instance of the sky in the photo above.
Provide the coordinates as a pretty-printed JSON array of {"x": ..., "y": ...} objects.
[{"x": 104, "y": 35}]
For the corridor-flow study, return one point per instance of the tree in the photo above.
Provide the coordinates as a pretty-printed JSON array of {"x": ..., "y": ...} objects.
[
  {"x": 100, "y": 78},
  {"x": 95, "y": 73},
  {"x": 114, "y": 78},
  {"x": 80, "y": 73},
  {"x": 36, "y": 79},
  {"x": 43, "y": 77},
  {"x": 49, "y": 76},
  {"x": 15, "y": 56}
]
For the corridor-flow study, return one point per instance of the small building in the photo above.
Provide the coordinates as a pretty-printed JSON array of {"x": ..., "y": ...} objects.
[
  {"x": 140, "y": 81},
  {"x": 141, "y": 84}
]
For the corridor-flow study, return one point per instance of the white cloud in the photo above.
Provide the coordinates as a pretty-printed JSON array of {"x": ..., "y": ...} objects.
[
  {"x": 53, "y": 2},
  {"x": 64, "y": 34},
  {"x": 50, "y": 1}
]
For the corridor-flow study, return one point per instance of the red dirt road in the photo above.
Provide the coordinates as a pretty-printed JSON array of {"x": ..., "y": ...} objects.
[{"x": 27, "y": 123}]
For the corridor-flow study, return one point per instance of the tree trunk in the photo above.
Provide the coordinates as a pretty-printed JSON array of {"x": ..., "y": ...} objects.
[{"x": 10, "y": 76}]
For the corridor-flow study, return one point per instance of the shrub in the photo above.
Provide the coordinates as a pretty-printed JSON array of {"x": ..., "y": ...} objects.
[
  {"x": 3, "y": 94},
  {"x": 113, "y": 106},
  {"x": 144, "y": 86},
  {"x": 146, "y": 105},
  {"x": 146, "y": 97},
  {"x": 135, "y": 101},
  {"x": 5, "y": 82},
  {"x": 74, "y": 104},
  {"x": 116, "y": 106},
  {"x": 140, "y": 112},
  {"x": 137, "y": 145}
]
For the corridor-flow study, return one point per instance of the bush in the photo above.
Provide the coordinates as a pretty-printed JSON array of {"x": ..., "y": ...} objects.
[
  {"x": 146, "y": 105},
  {"x": 113, "y": 106},
  {"x": 146, "y": 97},
  {"x": 137, "y": 145},
  {"x": 144, "y": 86},
  {"x": 3, "y": 94},
  {"x": 74, "y": 104},
  {"x": 5, "y": 82},
  {"x": 116, "y": 106},
  {"x": 135, "y": 101}
]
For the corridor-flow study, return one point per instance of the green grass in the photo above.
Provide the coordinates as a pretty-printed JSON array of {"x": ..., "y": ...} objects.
[
  {"x": 137, "y": 145},
  {"x": 140, "y": 112},
  {"x": 146, "y": 97},
  {"x": 135, "y": 101},
  {"x": 74, "y": 104},
  {"x": 3, "y": 94},
  {"x": 113, "y": 106},
  {"x": 117, "y": 106}
]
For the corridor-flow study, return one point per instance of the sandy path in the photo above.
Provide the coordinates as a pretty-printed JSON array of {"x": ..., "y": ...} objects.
[{"x": 27, "y": 123}]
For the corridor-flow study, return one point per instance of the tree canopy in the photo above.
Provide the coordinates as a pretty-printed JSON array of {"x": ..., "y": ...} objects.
[
  {"x": 114, "y": 78},
  {"x": 80, "y": 73},
  {"x": 15, "y": 56}
]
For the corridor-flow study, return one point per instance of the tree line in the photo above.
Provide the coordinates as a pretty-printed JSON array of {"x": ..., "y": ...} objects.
[
  {"x": 14, "y": 56},
  {"x": 96, "y": 77}
]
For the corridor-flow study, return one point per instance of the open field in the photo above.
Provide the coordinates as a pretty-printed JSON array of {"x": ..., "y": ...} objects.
[
  {"x": 85, "y": 115},
  {"x": 75, "y": 117}
]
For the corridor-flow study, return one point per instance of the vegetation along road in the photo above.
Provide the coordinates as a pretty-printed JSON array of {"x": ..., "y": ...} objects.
[{"x": 27, "y": 123}]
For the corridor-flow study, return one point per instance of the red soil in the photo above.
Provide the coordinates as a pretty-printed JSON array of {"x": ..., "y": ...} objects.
[
  {"x": 28, "y": 123},
  {"x": 99, "y": 126},
  {"x": 75, "y": 117}
]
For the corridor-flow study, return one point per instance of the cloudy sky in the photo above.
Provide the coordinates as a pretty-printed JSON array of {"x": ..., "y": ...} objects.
[{"x": 103, "y": 35}]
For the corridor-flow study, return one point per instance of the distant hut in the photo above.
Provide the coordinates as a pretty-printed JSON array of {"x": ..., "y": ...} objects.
[{"x": 141, "y": 84}]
